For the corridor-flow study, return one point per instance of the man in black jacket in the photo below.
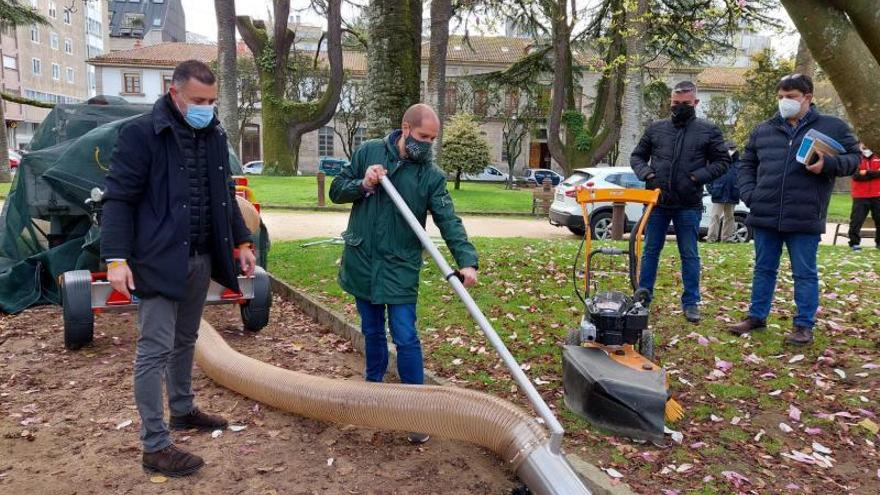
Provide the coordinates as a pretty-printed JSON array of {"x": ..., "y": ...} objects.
[
  {"x": 789, "y": 201},
  {"x": 170, "y": 223},
  {"x": 678, "y": 155}
]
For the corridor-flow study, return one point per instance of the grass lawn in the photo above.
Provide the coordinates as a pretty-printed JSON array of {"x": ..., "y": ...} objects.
[
  {"x": 4, "y": 189},
  {"x": 472, "y": 197},
  {"x": 732, "y": 421},
  {"x": 839, "y": 208}
]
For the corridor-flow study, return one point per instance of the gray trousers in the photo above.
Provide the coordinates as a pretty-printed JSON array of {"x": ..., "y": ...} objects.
[
  {"x": 721, "y": 222},
  {"x": 166, "y": 343}
]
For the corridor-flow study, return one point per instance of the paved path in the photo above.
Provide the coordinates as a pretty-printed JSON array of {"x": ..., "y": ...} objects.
[{"x": 287, "y": 225}]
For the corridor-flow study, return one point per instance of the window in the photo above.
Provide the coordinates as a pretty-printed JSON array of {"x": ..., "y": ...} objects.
[
  {"x": 35, "y": 33},
  {"x": 37, "y": 66},
  {"x": 131, "y": 83},
  {"x": 53, "y": 11},
  {"x": 451, "y": 98},
  {"x": 511, "y": 103},
  {"x": 35, "y": 4},
  {"x": 360, "y": 135},
  {"x": 166, "y": 82},
  {"x": 68, "y": 46},
  {"x": 93, "y": 51},
  {"x": 53, "y": 41},
  {"x": 56, "y": 72},
  {"x": 70, "y": 75},
  {"x": 157, "y": 21},
  {"x": 481, "y": 102},
  {"x": 94, "y": 27},
  {"x": 67, "y": 17},
  {"x": 10, "y": 62},
  {"x": 325, "y": 141}
]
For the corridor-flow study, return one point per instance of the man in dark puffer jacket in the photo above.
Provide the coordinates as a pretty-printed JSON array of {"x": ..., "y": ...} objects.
[
  {"x": 789, "y": 202},
  {"x": 679, "y": 155}
]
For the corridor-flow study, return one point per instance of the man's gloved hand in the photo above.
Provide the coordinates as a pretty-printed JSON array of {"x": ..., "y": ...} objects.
[
  {"x": 120, "y": 277},
  {"x": 469, "y": 274},
  {"x": 247, "y": 259}
]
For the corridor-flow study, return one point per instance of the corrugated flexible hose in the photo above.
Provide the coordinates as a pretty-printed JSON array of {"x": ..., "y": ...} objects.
[{"x": 453, "y": 413}]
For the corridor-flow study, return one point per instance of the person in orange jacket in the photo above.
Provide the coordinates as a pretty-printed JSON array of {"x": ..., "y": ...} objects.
[{"x": 866, "y": 197}]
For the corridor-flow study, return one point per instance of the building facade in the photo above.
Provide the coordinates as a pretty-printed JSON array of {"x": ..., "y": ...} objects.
[
  {"x": 143, "y": 74},
  {"x": 135, "y": 23},
  {"x": 47, "y": 63}
]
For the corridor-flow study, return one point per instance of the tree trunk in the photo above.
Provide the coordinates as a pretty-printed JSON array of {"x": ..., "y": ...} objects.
[
  {"x": 845, "y": 57},
  {"x": 562, "y": 79},
  {"x": 633, "y": 104},
  {"x": 227, "y": 69},
  {"x": 5, "y": 173},
  {"x": 458, "y": 179},
  {"x": 804, "y": 63},
  {"x": 285, "y": 121},
  {"x": 604, "y": 124},
  {"x": 435, "y": 94},
  {"x": 394, "y": 62}
]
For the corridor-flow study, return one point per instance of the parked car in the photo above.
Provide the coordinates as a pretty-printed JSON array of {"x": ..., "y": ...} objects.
[
  {"x": 488, "y": 174},
  {"x": 255, "y": 167},
  {"x": 566, "y": 212},
  {"x": 331, "y": 166},
  {"x": 537, "y": 176},
  {"x": 14, "y": 160}
]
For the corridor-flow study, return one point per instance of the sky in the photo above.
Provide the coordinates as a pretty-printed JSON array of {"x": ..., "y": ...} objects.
[{"x": 200, "y": 19}]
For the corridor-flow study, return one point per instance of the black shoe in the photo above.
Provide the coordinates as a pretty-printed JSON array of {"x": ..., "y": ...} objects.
[
  {"x": 692, "y": 314},
  {"x": 172, "y": 461},
  {"x": 748, "y": 325},
  {"x": 199, "y": 420},
  {"x": 800, "y": 336},
  {"x": 418, "y": 438}
]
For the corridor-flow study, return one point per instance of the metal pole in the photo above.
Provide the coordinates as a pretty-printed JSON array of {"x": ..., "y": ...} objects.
[{"x": 556, "y": 430}]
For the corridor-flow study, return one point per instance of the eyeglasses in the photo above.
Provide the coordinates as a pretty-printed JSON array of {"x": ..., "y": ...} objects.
[{"x": 796, "y": 75}]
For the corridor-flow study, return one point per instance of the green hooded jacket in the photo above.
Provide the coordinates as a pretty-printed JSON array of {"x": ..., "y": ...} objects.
[{"x": 382, "y": 256}]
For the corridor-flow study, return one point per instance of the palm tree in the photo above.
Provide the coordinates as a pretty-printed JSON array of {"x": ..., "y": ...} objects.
[{"x": 12, "y": 15}]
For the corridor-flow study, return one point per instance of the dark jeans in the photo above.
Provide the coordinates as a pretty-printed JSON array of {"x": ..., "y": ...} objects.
[
  {"x": 402, "y": 323},
  {"x": 165, "y": 347},
  {"x": 802, "y": 250},
  {"x": 687, "y": 234},
  {"x": 860, "y": 209}
]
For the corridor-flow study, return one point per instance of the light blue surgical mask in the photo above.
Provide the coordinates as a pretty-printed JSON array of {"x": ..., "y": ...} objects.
[{"x": 199, "y": 116}]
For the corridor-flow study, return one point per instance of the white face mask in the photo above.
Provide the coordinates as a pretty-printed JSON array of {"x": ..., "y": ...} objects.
[
  {"x": 867, "y": 152},
  {"x": 788, "y": 108}
]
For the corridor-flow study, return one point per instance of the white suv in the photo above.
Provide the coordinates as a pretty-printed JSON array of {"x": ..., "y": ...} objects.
[{"x": 566, "y": 212}]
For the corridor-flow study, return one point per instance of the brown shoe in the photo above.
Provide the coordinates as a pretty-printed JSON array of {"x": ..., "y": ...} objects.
[
  {"x": 800, "y": 336},
  {"x": 748, "y": 325},
  {"x": 199, "y": 420},
  {"x": 172, "y": 461}
]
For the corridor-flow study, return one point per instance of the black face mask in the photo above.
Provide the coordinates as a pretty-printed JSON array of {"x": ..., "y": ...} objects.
[{"x": 682, "y": 113}]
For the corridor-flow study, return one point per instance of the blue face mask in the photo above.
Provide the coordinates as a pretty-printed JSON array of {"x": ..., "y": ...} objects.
[
  {"x": 199, "y": 116},
  {"x": 417, "y": 151}
]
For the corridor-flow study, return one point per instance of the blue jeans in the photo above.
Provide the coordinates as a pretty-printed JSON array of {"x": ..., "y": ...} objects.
[
  {"x": 402, "y": 323},
  {"x": 802, "y": 249},
  {"x": 687, "y": 234}
]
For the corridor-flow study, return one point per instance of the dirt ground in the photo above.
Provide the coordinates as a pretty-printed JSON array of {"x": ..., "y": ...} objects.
[{"x": 68, "y": 424}]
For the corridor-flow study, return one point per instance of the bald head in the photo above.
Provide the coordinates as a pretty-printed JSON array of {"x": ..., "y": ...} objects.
[{"x": 421, "y": 122}]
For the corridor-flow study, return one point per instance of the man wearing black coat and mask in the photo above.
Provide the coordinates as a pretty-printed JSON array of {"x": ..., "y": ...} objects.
[{"x": 678, "y": 155}]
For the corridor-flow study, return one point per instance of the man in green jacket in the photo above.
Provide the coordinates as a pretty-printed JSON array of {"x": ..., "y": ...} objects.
[{"x": 382, "y": 256}]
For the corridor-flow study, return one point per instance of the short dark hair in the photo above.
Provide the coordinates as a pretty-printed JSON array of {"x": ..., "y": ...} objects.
[
  {"x": 796, "y": 82},
  {"x": 685, "y": 87},
  {"x": 193, "y": 69}
]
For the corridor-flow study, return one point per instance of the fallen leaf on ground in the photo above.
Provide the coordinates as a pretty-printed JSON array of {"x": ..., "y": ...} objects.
[
  {"x": 158, "y": 479},
  {"x": 123, "y": 424},
  {"x": 869, "y": 425},
  {"x": 613, "y": 473},
  {"x": 237, "y": 427},
  {"x": 216, "y": 433},
  {"x": 795, "y": 359}
]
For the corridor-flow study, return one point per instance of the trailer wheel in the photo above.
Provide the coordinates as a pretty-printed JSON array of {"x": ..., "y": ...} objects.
[
  {"x": 76, "y": 301},
  {"x": 255, "y": 312},
  {"x": 646, "y": 345}
]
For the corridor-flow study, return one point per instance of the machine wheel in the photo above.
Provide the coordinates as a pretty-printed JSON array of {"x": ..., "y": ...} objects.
[
  {"x": 600, "y": 225},
  {"x": 255, "y": 312},
  {"x": 646, "y": 345},
  {"x": 573, "y": 337},
  {"x": 76, "y": 301}
]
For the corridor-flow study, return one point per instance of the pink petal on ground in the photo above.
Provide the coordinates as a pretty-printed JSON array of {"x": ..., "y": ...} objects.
[
  {"x": 723, "y": 365},
  {"x": 794, "y": 413},
  {"x": 698, "y": 445},
  {"x": 768, "y": 375},
  {"x": 735, "y": 478},
  {"x": 813, "y": 431}
]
